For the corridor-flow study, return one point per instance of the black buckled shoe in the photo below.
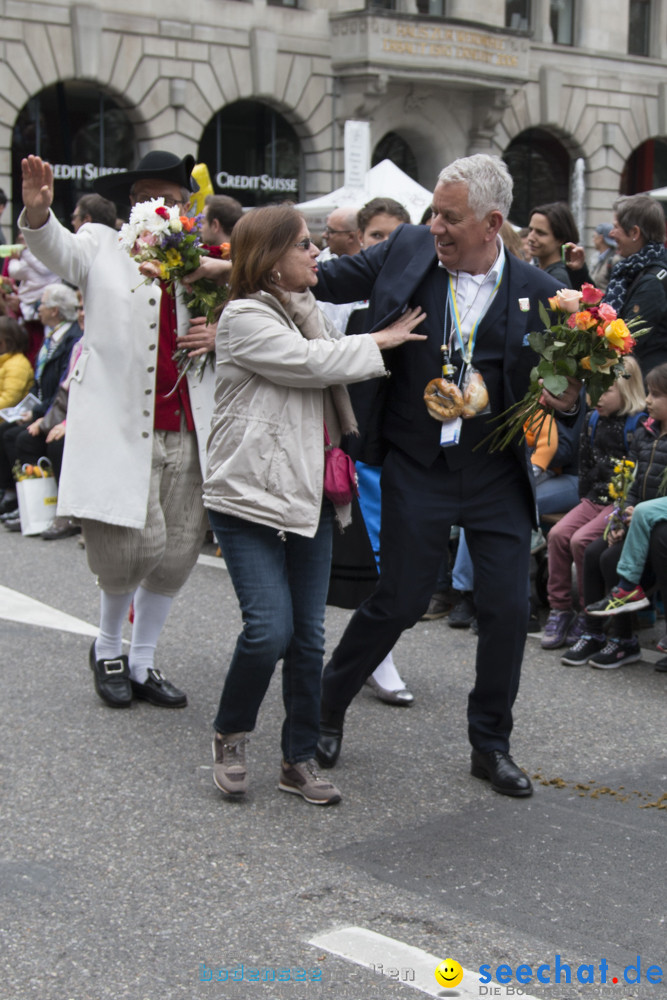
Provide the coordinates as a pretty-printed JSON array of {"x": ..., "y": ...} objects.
[
  {"x": 499, "y": 768},
  {"x": 112, "y": 680},
  {"x": 159, "y": 691},
  {"x": 331, "y": 738}
]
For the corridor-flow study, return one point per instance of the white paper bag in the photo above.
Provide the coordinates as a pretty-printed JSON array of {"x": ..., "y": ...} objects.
[{"x": 37, "y": 504}]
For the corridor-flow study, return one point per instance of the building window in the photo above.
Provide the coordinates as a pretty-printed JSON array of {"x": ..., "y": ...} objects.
[
  {"x": 562, "y": 21},
  {"x": 81, "y": 131},
  {"x": 540, "y": 166},
  {"x": 517, "y": 14},
  {"x": 639, "y": 30},
  {"x": 646, "y": 168},
  {"x": 436, "y": 8},
  {"x": 252, "y": 153},
  {"x": 283, "y": 3},
  {"x": 393, "y": 147}
]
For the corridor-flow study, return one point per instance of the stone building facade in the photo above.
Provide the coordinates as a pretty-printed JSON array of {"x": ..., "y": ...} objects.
[{"x": 260, "y": 90}]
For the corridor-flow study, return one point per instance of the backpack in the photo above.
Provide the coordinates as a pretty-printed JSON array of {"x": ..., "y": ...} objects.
[{"x": 629, "y": 427}]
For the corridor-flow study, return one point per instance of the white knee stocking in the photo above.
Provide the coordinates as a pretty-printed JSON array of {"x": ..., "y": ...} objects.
[
  {"x": 150, "y": 614},
  {"x": 113, "y": 615}
]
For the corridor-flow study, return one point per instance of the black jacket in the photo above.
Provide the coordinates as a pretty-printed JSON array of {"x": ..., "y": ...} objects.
[
  {"x": 649, "y": 451},
  {"x": 647, "y": 299},
  {"x": 598, "y": 455}
]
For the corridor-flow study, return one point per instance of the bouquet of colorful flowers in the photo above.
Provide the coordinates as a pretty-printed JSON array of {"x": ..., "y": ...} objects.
[
  {"x": 168, "y": 246},
  {"x": 583, "y": 339},
  {"x": 617, "y": 491}
]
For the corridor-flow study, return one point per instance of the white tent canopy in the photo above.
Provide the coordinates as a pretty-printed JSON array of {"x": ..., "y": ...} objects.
[{"x": 384, "y": 180}]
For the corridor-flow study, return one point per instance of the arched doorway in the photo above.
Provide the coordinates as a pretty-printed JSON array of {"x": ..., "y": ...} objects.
[
  {"x": 393, "y": 147},
  {"x": 252, "y": 153},
  {"x": 645, "y": 168},
  {"x": 81, "y": 131},
  {"x": 541, "y": 168}
]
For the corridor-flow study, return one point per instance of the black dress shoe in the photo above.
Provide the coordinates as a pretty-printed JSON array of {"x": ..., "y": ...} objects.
[
  {"x": 8, "y": 504},
  {"x": 463, "y": 613},
  {"x": 61, "y": 528},
  {"x": 331, "y": 738},
  {"x": 13, "y": 524},
  {"x": 504, "y": 775},
  {"x": 112, "y": 680},
  {"x": 159, "y": 691}
]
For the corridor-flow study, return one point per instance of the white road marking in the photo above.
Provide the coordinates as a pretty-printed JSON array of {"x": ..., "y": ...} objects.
[
  {"x": 406, "y": 964},
  {"x": 17, "y": 607}
]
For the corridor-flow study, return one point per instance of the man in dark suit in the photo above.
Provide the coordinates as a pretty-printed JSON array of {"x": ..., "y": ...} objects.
[{"x": 459, "y": 273}]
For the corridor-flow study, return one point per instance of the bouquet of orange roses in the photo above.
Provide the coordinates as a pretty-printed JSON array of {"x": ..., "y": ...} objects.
[{"x": 584, "y": 339}]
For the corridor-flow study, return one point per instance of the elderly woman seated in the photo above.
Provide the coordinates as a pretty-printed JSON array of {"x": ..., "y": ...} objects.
[{"x": 57, "y": 311}]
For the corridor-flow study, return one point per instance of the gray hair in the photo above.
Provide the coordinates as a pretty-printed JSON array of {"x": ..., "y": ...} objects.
[
  {"x": 488, "y": 180},
  {"x": 63, "y": 298}
]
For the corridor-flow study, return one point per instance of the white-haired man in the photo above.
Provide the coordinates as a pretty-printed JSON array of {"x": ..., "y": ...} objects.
[{"x": 435, "y": 474}]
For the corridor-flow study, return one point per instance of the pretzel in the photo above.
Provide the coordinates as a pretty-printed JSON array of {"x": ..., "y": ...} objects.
[{"x": 443, "y": 399}]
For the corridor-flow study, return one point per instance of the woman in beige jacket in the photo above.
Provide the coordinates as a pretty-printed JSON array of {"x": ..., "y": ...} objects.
[{"x": 281, "y": 374}]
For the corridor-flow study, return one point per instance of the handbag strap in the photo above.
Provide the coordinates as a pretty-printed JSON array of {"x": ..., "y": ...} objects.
[{"x": 327, "y": 440}]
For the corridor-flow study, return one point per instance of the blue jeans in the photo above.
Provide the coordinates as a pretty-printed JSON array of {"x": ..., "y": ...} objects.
[
  {"x": 557, "y": 494},
  {"x": 281, "y": 581}
]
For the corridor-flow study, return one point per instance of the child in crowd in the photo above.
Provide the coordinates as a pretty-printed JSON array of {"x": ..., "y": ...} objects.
[
  {"x": 602, "y": 557},
  {"x": 628, "y": 594},
  {"x": 16, "y": 374},
  {"x": 605, "y": 439}
]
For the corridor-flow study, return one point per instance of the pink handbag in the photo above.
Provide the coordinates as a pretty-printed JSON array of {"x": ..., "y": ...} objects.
[{"x": 340, "y": 475}]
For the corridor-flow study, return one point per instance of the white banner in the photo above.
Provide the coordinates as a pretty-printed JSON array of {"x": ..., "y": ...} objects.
[{"x": 357, "y": 149}]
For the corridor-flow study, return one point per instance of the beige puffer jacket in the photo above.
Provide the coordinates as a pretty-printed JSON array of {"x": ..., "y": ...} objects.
[{"x": 266, "y": 449}]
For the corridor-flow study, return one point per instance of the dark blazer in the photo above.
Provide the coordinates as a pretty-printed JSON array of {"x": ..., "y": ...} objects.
[
  {"x": 55, "y": 369},
  {"x": 390, "y": 275}
]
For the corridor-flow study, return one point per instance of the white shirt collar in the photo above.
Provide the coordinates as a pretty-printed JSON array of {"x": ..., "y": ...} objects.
[{"x": 492, "y": 274}]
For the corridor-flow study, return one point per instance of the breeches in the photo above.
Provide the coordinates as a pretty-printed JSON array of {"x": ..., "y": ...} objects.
[{"x": 160, "y": 555}]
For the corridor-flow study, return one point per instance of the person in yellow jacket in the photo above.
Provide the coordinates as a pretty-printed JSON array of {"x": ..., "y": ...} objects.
[{"x": 16, "y": 374}]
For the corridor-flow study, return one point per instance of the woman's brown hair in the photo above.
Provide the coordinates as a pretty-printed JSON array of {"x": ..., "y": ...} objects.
[
  {"x": 258, "y": 242},
  {"x": 13, "y": 336}
]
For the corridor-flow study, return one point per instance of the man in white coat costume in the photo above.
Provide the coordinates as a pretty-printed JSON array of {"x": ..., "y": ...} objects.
[{"x": 135, "y": 452}]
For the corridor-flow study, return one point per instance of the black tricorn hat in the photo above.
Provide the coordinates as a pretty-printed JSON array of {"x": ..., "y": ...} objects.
[{"x": 157, "y": 164}]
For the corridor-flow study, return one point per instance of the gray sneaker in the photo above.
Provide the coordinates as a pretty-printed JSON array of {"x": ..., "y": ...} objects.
[
  {"x": 229, "y": 770},
  {"x": 304, "y": 779}
]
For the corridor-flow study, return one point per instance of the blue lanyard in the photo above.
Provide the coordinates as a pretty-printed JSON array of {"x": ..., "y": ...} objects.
[{"x": 453, "y": 311}]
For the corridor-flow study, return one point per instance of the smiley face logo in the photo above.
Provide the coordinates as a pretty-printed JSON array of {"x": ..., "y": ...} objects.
[{"x": 449, "y": 973}]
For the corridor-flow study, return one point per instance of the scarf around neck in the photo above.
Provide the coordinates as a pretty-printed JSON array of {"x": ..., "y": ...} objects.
[
  {"x": 626, "y": 270},
  {"x": 302, "y": 309}
]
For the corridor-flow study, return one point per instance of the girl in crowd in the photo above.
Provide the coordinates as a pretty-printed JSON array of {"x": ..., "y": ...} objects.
[
  {"x": 649, "y": 452},
  {"x": 604, "y": 440},
  {"x": 16, "y": 374}
]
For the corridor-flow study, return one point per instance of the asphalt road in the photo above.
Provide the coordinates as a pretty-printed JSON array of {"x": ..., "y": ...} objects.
[{"x": 124, "y": 873}]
